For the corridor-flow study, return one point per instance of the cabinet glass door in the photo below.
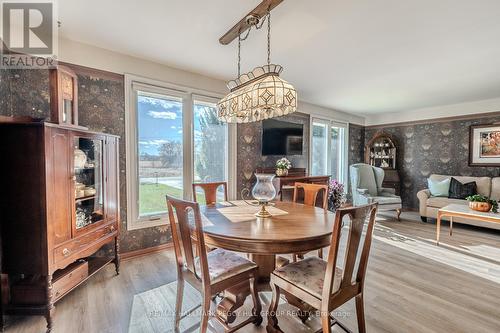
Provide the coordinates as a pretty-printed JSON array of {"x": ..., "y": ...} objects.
[{"x": 89, "y": 185}]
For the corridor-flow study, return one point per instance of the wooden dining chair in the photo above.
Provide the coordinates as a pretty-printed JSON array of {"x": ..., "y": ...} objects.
[
  {"x": 210, "y": 191},
  {"x": 322, "y": 284},
  {"x": 210, "y": 273},
  {"x": 311, "y": 192}
]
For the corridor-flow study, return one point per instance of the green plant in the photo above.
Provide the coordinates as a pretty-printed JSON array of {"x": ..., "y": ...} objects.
[{"x": 483, "y": 198}]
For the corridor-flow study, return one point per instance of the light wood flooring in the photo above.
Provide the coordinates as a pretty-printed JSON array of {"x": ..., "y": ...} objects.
[{"x": 412, "y": 286}]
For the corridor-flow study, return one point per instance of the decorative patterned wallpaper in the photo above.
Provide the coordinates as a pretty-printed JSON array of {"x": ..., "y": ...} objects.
[
  {"x": 101, "y": 104},
  {"x": 440, "y": 147},
  {"x": 249, "y": 149},
  {"x": 356, "y": 144}
]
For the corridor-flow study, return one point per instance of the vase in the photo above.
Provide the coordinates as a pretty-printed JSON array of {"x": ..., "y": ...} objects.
[
  {"x": 264, "y": 191},
  {"x": 281, "y": 172},
  {"x": 480, "y": 206}
]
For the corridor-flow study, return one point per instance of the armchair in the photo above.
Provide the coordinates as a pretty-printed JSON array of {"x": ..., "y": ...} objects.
[{"x": 366, "y": 188}]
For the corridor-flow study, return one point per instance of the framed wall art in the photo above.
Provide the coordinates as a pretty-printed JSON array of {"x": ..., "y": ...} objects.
[{"x": 484, "y": 145}]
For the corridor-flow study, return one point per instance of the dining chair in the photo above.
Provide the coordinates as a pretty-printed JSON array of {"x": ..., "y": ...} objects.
[
  {"x": 311, "y": 192},
  {"x": 322, "y": 284},
  {"x": 210, "y": 273},
  {"x": 210, "y": 191}
]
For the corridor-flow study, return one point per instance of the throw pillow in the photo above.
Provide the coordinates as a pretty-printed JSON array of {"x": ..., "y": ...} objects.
[
  {"x": 461, "y": 191},
  {"x": 439, "y": 188}
]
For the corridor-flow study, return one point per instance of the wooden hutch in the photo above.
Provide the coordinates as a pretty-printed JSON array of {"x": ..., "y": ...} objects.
[
  {"x": 60, "y": 203},
  {"x": 381, "y": 152}
]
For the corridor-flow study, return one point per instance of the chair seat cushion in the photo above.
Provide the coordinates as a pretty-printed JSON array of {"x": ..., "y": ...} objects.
[
  {"x": 309, "y": 275},
  {"x": 223, "y": 264},
  {"x": 387, "y": 200}
]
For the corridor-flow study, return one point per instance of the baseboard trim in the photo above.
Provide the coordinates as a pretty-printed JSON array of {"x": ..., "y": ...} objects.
[{"x": 149, "y": 250}]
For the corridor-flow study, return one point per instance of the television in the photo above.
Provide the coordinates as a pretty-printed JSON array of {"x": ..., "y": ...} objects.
[{"x": 281, "y": 137}]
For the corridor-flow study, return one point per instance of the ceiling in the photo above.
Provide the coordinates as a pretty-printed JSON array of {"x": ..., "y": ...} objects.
[{"x": 358, "y": 56}]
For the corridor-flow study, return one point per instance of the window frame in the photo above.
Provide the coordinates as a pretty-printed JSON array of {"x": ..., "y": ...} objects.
[
  {"x": 188, "y": 97},
  {"x": 344, "y": 144}
]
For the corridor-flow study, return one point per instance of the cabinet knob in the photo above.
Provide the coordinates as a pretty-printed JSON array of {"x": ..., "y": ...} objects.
[
  {"x": 66, "y": 252},
  {"x": 112, "y": 228}
]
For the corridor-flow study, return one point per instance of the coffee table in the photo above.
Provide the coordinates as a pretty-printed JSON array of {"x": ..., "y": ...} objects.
[{"x": 457, "y": 210}]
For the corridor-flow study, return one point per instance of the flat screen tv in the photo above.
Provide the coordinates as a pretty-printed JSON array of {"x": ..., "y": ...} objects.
[{"x": 281, "y": 137}]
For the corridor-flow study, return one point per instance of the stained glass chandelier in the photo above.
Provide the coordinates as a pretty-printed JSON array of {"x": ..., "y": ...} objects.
[{"x": 261, "y": 93}]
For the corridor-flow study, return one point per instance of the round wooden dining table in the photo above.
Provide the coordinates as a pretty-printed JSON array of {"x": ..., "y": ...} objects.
[{"x": 292, "y": 228}]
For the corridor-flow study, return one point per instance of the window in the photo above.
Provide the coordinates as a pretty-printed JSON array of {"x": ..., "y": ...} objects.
[
  {"x": 210, "y": 146},
  {"x": 173, "y": 139},
  {"x": 319, "y": 160},
  {"x": 160, "y": 145},
  {"x": 328, "y": 149}
]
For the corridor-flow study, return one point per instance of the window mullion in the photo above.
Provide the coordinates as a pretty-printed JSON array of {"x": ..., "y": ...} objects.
[{"x": 188, "y": 146}]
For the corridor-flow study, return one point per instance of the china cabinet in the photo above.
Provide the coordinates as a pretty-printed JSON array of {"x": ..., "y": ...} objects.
[
  {"x": 381, "y": 151},
  {"x": 60, "y": 206}
]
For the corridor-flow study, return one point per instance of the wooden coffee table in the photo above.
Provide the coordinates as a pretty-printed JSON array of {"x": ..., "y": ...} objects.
[{"x": 457, "y": 210}]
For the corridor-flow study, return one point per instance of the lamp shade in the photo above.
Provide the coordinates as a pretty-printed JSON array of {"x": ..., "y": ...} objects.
[{"x": 258, "y": 95}]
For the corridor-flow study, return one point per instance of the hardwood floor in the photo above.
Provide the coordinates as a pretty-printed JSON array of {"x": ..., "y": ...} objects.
[{"x": 411, "y": 286}]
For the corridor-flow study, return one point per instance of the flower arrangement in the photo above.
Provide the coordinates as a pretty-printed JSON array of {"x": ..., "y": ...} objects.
[
  {"x": 283, "y": 163},
  {"x": 482, "y": 203},
  {"x": 336, "y": 195},
  {"x": 282, "y": 166}
]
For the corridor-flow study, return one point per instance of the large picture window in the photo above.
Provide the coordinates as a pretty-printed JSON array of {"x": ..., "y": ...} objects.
[
  {"x": 174, "y": 138},
  {"x": 160, "y": 146}
]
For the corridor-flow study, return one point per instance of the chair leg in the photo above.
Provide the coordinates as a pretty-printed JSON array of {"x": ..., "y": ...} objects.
[
  {"x": 178, "y": 301},
  {"x": 326, "y": 324},
  {"x": 360, "y": 313},
  {"x": 272, "y": 320},
  {"x": 205, "y": 314},
  {"x": 257, "y": 306},
  {"x": 320, "y": 253},
  {"x": 398, "y": 213}
]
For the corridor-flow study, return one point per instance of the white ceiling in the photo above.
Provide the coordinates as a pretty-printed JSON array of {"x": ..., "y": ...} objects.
[{"x": 358, "y": 56}]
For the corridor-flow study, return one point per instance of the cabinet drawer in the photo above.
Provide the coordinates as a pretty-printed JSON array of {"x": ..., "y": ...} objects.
[
  {"x": 72, "y": 247},
  {"x": 72, "y": 276}
]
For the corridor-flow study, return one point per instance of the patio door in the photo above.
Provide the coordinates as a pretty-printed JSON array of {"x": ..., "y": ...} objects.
[{"x": 329, "y": 149}]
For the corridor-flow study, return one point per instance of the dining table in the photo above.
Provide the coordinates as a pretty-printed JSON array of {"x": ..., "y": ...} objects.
[{"x": 292, "y": 228}]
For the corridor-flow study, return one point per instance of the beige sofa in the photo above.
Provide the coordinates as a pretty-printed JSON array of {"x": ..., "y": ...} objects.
[{"x": 429, "y": 205}]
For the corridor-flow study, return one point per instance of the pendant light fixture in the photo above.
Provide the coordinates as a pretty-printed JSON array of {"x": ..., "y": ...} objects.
[{"x": 261, "y": 93}]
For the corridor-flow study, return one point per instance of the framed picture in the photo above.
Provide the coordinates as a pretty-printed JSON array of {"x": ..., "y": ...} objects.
[{"x": 484, "y": 146}]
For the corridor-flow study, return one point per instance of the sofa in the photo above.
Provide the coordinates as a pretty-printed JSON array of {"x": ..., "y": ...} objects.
[{"x": 429, "y": 205}]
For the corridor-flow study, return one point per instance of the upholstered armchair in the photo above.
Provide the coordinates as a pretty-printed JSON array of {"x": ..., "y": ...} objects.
[{"x": 366, "y": 188}]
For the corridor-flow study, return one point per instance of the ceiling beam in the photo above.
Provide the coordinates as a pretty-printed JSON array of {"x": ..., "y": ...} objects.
[{"x": 260, "y": 11}]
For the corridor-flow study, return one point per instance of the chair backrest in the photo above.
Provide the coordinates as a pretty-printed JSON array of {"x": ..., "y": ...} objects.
[
  {"x": 311, "y": 192},
  {"x": 357, "y": 249},
  {"x": 210, "y": 191},
  {"x": 182, "y": 233},
  {"x": 365, "y": 176}
]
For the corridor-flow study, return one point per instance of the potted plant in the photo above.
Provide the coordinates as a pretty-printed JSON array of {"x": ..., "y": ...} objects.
[
  {"x": 282, "y": 166},
  {"x": 336, "y": 195},
  {"x": 482, "y": 203}
]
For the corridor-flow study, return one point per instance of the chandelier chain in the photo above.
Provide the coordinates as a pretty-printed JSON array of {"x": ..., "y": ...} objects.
[
  {"x": 239, "y": 54},
  {"x": 257, "y": 26},
  {"x": 268, "y": 37}
]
